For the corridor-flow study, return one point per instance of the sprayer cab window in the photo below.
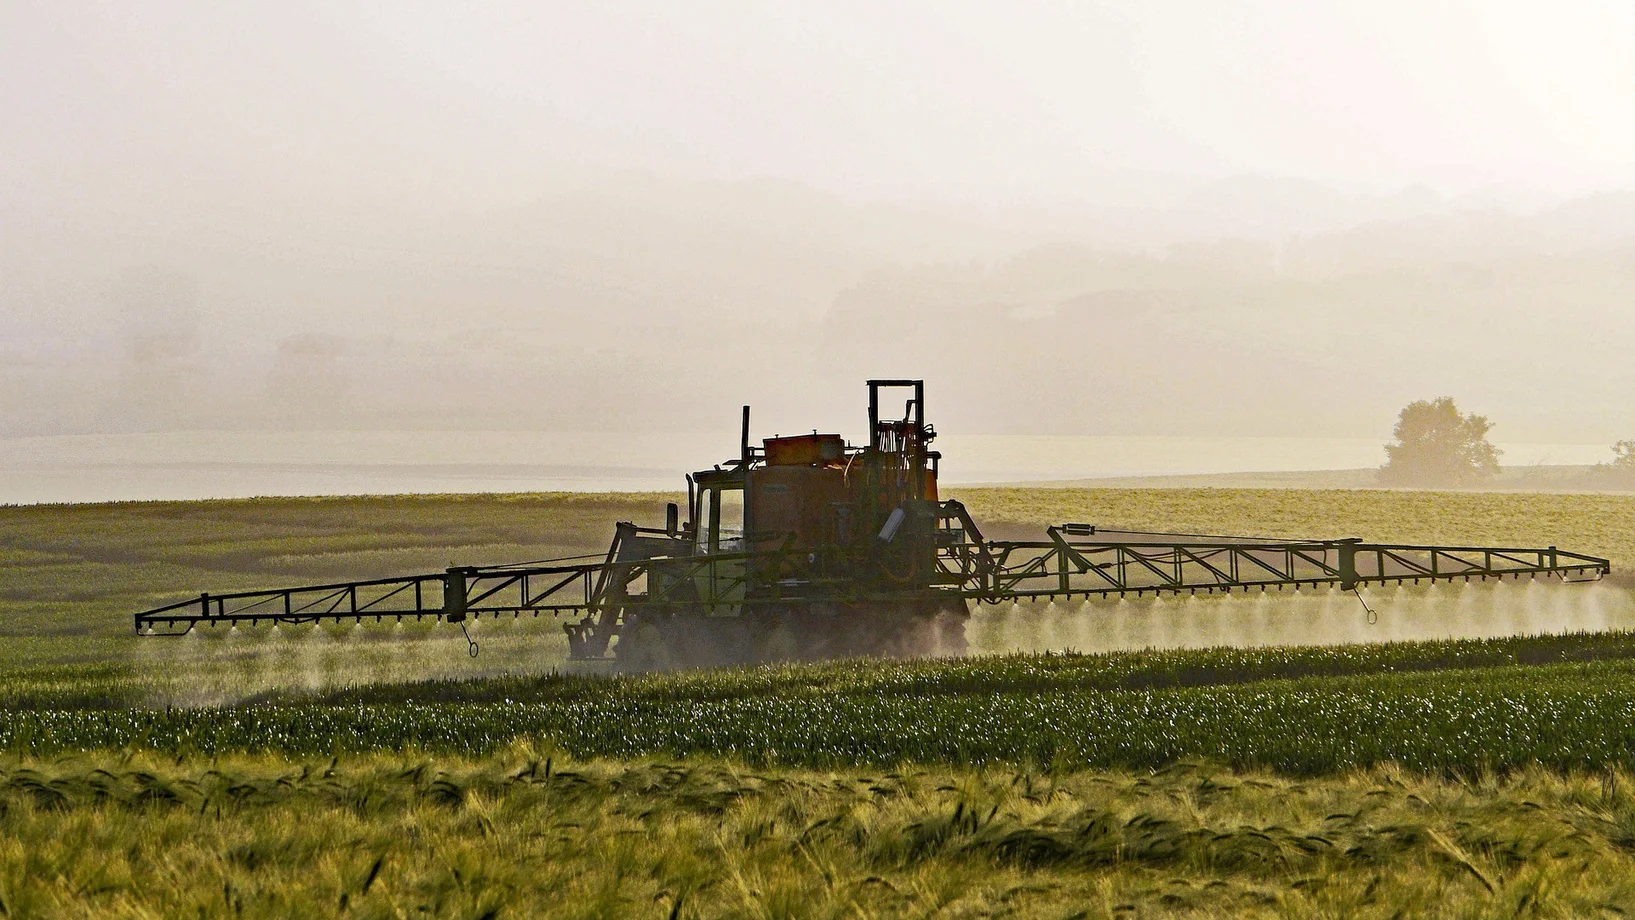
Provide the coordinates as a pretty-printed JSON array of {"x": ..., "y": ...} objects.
[
  {"x": 720, "y": 520},
  {"x": 730, "y": 528}
]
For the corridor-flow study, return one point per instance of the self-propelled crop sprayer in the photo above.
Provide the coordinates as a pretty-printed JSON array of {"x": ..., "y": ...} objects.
[{"x": 809, "y": 547}]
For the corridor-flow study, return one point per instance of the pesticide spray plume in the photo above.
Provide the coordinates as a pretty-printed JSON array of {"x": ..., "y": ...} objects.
[
  {"x": 222, "y": 667},
  {"x": 216, "y": 667},
  {"x": 1313, "y": 615}
]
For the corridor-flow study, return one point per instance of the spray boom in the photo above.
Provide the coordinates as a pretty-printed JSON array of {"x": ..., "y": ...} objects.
[{"x": 809, "y": 547}]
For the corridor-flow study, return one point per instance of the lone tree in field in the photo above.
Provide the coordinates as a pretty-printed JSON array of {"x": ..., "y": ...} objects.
[
  {"x": 1623, "y": 456},
  {"x": 1437, "y": 446}
]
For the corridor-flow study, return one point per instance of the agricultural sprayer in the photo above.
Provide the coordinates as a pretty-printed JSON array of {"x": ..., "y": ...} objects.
[{"x": 809, "y": 548}]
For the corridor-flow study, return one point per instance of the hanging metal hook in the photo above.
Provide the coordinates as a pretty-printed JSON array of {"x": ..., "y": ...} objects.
[
  {"x": 1372, "y": 616},
  {"x": 471, "y": 647}
]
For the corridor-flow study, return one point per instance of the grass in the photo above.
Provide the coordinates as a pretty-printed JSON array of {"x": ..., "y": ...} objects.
[
  {"x": 382, "y": 773},
  {"x": 531, "y": 833},
  {"x": 83, "y": 569},
  {"x": 1023, "y": 674},
  {"x": 71, "y": 575},
  {"x": 1454, "y": 708},
  {"x": 1541, "y": 477},
  {"x": 1290, "y": 709},
  {"x": 1597, "y": 524}
]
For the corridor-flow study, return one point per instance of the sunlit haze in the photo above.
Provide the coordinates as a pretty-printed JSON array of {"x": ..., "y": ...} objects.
[{"x": 1122, "y": 220}]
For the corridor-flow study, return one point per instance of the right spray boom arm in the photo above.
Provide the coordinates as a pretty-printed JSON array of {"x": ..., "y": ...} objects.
[{"x": 1080, "y": 560}]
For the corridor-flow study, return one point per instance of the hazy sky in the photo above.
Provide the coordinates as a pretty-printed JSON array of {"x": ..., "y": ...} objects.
[
  {"x": 347, "y": 214},
  {"x": 129, "y": 104}
]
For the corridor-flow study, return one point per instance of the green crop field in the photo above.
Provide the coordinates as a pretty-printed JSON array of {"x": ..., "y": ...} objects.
[
  {"x": 528, "y": 833},
  {"x": 380, "y": 772}
]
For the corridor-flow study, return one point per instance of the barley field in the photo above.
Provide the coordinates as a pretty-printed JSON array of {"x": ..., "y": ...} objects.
[
  {"x": 528, "y": 832},
  {"x": 1469, "y": 754}
]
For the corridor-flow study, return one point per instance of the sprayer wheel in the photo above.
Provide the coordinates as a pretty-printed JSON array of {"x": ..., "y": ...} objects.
[
  {"x": 778, "y": 643},
  {"x": 643, "y": 648},
  {"x": 948, "y": 628}
]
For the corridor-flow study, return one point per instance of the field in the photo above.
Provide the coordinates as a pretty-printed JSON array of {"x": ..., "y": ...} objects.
[
  {"x": 377, "y": 771},
  {"x": 524, "y": 833}
]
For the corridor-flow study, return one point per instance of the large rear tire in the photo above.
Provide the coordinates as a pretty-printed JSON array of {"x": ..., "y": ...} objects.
[
  {"x": 643, "y": 647},
  {"x": 770, "y": 634},
  {"x": 778, "y": 641}
]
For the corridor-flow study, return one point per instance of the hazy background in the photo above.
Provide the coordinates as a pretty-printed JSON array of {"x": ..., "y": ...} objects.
[{"x": 1137, "y": 219}]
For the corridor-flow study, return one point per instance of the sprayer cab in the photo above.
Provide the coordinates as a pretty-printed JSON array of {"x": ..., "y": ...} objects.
[{"x": 845, "y": 506}]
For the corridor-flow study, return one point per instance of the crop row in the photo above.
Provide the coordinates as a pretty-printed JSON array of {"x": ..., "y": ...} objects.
[
  {"x": 1559, "y": 716},
  {"x": 117, "y": 686},
  {"x": 1021, "y": 673}
]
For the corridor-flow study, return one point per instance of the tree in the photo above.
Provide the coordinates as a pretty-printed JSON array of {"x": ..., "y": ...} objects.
[
  {"x": 1623, "y": 455},
  {"x": 1437, "y": 446}
]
